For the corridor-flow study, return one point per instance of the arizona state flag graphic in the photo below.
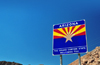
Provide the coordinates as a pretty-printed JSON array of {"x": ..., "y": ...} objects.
[{"x": 69, "y": 38}]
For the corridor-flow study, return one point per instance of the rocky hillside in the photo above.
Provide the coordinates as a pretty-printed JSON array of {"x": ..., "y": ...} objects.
[
  {"x": 91, "y": 58},
  {"x": 8, "y": 63}
]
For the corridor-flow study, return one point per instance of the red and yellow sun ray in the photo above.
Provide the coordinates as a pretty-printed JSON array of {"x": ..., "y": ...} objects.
[
  {"x": 73, "y": 31},
  {"x": 70, "y": 28},
  {"x": 78, "y": 28},
  {"x": 59, "y": 33},
  {"x": 80, "y": 31},
  {"x": 75, "y": 28},
  {"x": 66, "y": 29}
]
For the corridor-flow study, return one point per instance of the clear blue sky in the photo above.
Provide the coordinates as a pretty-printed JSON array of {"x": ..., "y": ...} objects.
[{"x": 26, "y": 28}]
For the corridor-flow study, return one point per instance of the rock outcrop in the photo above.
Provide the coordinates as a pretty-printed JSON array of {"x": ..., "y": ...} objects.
[
  {"x": 91, "y": 58},
  {"x": 8, "y": 63}
]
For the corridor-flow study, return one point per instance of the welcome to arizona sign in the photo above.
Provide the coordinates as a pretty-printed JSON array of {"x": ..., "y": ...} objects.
[{"x": 69, "y": 38}]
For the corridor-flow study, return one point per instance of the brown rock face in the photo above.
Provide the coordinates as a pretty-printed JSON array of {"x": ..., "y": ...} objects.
[
  {"x": 91, "y": 58},
  {"x": 8, "y": 63}
]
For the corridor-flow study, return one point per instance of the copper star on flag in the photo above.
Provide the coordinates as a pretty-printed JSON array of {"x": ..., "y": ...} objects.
[{"x": 68, "y": 37}]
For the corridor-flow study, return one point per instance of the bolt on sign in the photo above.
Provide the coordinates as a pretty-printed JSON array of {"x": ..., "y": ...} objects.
[{"x": 69, "y": 38}]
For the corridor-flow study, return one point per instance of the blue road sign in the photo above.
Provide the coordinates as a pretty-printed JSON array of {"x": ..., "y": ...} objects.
[{"x": 69, "y": 38}]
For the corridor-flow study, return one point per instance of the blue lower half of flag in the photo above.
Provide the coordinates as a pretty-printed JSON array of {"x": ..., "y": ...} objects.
[{"x": 78, "y": 45}]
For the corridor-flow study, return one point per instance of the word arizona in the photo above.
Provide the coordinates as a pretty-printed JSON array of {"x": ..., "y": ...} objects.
[{"x": 68, "y": 24}]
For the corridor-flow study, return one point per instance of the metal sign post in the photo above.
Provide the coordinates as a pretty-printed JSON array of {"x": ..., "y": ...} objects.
[
  {"x": 60, "y": 59},
  {"x": 79, "y": 57}
]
